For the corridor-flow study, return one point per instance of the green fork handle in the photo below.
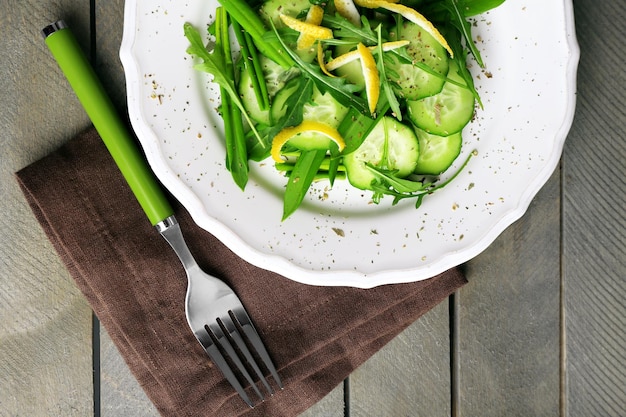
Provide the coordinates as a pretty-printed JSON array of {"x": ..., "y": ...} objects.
[{"x": 114, "y": 133}]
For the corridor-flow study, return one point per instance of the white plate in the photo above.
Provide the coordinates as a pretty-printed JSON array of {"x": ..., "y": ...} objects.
[{"x": 337, "y": 237}]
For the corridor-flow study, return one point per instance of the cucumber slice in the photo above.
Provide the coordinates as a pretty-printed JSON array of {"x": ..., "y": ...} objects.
[
  {"x": 277, "y": 108},
  {"x": 447, "y": 112},
  {"x": 249, "y": 100},
  {"x": 351, "y": 71},
  {"x": 323, "y": 108},
  {"x": 391, "y": 138},
  {"x": 437, "y": 153},
  {"x": 276, "y": 77},
  {"x": 271, "y": 10},
  {"x": 415, "y": 83}
]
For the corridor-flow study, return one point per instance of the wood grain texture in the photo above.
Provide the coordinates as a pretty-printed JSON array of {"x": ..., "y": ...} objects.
[
  {"x": 121, "y": 394},
  {"x": 45, "y": 323},
  {"x": 409, "y": 376},
  {"x": 109, "y": 31},
  {"x": 545, "y": 278},
  {"x": 332, "y": 405},
  {"x": 594, "y": 252},
  {"x": 508, "y": 318}
]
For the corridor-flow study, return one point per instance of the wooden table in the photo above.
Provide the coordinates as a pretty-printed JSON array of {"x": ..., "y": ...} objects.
[{"x": 539, "y": 330}]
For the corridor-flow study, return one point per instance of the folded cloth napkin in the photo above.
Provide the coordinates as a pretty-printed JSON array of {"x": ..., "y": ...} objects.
[{"x": 136, "y": 286}]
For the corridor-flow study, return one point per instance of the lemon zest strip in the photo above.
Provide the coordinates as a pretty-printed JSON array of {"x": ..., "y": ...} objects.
[
  {"x": 314, "y": 16},
  {"x": 370, "y": 75},
  {"x": 410, "y": 14},
  {"x": 348, "y": 57},
  {"x": 348, "y": 10},
  {"x": 320, "y": 60},
  {"x": 316, "y": 31},
  {"x": 306, "y": 126}
]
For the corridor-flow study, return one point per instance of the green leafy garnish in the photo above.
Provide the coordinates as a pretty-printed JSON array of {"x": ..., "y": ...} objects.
[
  {"x": 214, "y": 63},
  {"x": 344, "y": 29},
  {"x": 251, "y": 62},
  {"x": 338, "y": 87},
  {"x": 388, "y": 91},
  {"x": 300, "y": 179},
  {"x": 387, "y": 183},
  {"x": 247, "y": 17},
  {"x": 294, "y": 105}
]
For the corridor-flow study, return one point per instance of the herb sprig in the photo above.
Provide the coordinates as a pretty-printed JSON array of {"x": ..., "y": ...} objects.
[{"x": 338, "y": 87}]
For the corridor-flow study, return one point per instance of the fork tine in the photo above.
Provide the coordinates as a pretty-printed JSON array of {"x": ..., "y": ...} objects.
[
  {"x": 225, "y": 343},
  {"x": 255, "y": 339},
  {"x": 236, "y": 336},
  {"x": 216, "y": 356}
]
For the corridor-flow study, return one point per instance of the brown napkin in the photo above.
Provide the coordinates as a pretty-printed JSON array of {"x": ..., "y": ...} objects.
[{"x": 136, "y": 286}]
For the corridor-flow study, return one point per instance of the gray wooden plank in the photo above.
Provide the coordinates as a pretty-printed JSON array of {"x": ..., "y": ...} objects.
[
  {"x": 410, "y": 376},
  {"x": 329, "y": 406},
  {"x": 593, "y": 218},
  {"x": 109, "y": 31},
  {"x": 121, "y": 394},
  {"x": 45, "y": 323},
  {"x": 508, "y": 319}
]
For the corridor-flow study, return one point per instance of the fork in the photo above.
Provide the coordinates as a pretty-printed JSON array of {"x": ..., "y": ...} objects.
[{"x": 215, "y": 314}]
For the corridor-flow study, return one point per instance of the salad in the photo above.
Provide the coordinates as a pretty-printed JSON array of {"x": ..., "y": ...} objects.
[{"x": 370, "y": 91}]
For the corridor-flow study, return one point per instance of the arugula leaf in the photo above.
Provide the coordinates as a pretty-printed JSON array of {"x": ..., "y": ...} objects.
[
  {"x": 392, "y": 99},
  {"x": 460, "y": 56},
  {"x": 451, "y": 13},
  {"x": 380, "y": 190},
  {"x": 302, "y": 94},
  {"x": 387, "y": 183},
  {"x": 343, "y": 28},
  {"x": 398, "y": 184},
  {"x": 460, "y": 22},
  {"x": 338, "y": 87},
  {"x": 214, "y": 63}
]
